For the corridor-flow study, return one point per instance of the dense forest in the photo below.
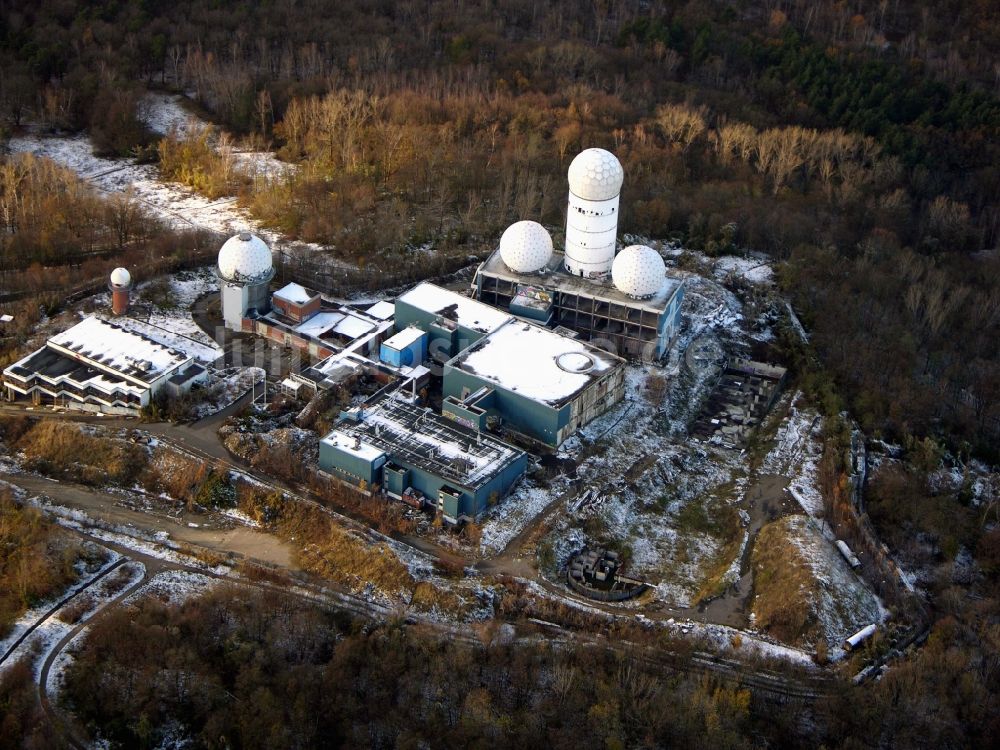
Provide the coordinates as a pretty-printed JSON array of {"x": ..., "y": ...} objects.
[{"x": 856, "y": 142}]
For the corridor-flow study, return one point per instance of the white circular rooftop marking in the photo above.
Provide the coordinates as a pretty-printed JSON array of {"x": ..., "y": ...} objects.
[{"x": 577, "y": 362}]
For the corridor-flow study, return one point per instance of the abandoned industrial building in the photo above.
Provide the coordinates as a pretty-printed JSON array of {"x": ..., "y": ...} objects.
[
  {"x": 99, "y": 366},
  {"x": 531, "y": 357},
  {"x": 625, "y": 302},
  {"x": 537, "y": 383},
  {"x": 500, "y": 372},
  {"x": 400, "y": 448}
]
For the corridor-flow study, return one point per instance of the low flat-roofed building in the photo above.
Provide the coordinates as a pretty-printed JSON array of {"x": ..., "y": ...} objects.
[
  {"x": 397, "y": 445},
  {"x": 296, "y": 302},
  {"x": 406, "y": 348},
  {"x": 539, "y": 383},
  {"x": 595, "y": 308},
  {"x": 99, "y": 366},
  {"x": 324, "y": 333},
  {"x": 382, "y": 310}
]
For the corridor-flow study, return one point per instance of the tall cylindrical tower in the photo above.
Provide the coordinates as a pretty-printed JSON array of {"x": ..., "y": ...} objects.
[
  {"x": 244, "y": 270},
  {"x": 120, "y": 285},
  {"x": 595, "y": 183}
]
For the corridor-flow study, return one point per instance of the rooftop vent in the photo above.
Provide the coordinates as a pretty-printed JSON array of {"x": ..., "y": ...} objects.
[{"x": 245, "y": 236}]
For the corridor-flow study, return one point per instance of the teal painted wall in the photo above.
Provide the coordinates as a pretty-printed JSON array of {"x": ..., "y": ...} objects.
[
  {"x": 533, "y": 418},
  {"x": 669, "y": 323},
  {"x": 443, "y": 342},
  {"x": 471, "y": 503},
  {"x": 349, "y": 467},
  {"x": 464, "y": 415},
  {"x": 395, "y": 481}
]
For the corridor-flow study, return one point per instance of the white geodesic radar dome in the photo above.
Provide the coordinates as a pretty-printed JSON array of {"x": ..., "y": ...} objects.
[
  {"x": 525, "y": 247},
  {"x": 121, "y": 277},
  {"x": 638, "y": 271},
  {"x": 596, "y": 175},
  {"x": 245, "y": 258}
]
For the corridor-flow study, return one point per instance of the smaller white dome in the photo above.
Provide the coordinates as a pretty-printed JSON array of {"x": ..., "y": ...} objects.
[
  {"x": 525, "y": 246},
  {"x": 121, "y": 277},
  {"x": 245, "y": 258},
  {"x": 595, "y": 175},
  {"x": 638, "y": 271}
]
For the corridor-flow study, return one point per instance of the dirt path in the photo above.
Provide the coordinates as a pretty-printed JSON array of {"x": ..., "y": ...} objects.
[{"x": 107, "y": 507}]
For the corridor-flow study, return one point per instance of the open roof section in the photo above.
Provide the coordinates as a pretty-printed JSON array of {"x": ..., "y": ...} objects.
[{"x": 554, "y": 276}]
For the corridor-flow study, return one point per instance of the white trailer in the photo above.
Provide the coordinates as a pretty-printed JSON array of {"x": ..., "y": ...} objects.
[
  {"x": 860, "y": 637},
  {"x": 851, "y": 558}
]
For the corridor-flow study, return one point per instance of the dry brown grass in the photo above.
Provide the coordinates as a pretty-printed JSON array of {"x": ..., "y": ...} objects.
[
  {"x": 179, "y": 476},
  {"x": 36, "y": 559},
  {"x": 783, "y": 584},
  {"x": 322, "y": 546},
  {"x": 64, "y": 450}
]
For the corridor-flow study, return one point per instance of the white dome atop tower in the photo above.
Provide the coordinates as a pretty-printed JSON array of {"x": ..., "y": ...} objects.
[
  {"x": 596, "y": 175},
  {"x": 245, "y": 258},
  {"x": 638, "y": 271},
  {"x": 121, "y": 277},
  {"x": 525, "y": 247}
]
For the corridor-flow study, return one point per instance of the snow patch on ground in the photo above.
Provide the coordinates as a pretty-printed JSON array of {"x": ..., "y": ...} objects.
[
  {"x": 165, "y": 113},
  {"x": 724, "y": 638},
  {"x": 157, "y": 545},
  {"x": 238, "y": 515},
  {"x": 505, "y": 521},
  {"x": 754, "y": 270},
  {"x": 188, "y": 286},
  {"x": 174, "y": 587},
  {"x": 31, "y": 616},
  {"x": 842, "y": 603},
  {"x": 226, "y": 387},
  {"x": 121, "y": 580},
  {"x": 173, "y": 204},
  {"x": 797, "y": 453}
]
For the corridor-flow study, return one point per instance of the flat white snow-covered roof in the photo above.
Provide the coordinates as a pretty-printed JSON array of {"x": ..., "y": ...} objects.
[
  {"x": 343, "y": 323},
  {"x": 346, "y": 443},
  {"x": 535, "y": 362},
  {"x": 114, "y": 348},
  {"x": 454, "y": 306},
  {"x": 352, "y": 327},
  {"x": 319, "y": 323},
  {"x": 295, "y": 293},
  {"x": 403, "y": 338},
  {"x": 382, "y": 310}
]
